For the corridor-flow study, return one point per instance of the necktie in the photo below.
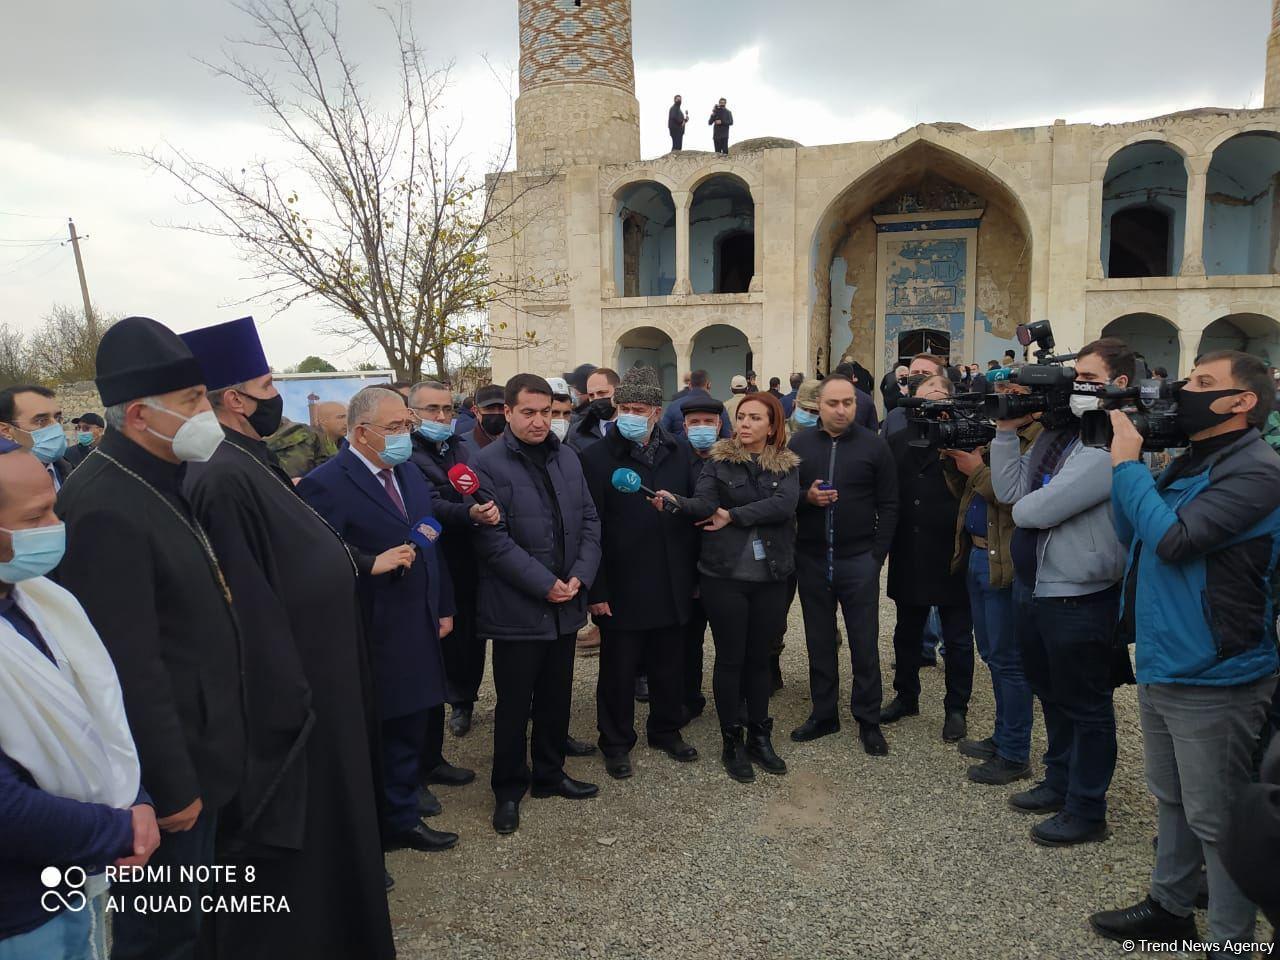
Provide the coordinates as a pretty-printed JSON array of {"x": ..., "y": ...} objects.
[
  {"x": 390, "y": 486},
  {"x": 53, "y": 475}
]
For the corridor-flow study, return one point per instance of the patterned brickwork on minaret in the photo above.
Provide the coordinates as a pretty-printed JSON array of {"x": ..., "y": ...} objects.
[{"x": 564, "y": 43}]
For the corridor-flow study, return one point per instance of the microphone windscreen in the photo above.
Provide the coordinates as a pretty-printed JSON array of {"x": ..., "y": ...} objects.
[
  {"x": 426, "y": 532},
  {"x": 464, "y": 479},
  {"x": 626, "y": 480}
]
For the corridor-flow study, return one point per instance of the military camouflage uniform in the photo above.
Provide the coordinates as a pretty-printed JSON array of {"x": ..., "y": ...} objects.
[{"x": 300, "y": 448}]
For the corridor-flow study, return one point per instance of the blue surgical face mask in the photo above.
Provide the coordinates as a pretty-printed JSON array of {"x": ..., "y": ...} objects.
[
  {"x": 804, "y": 418},
  {"x": 84, "y": 439},
  {"x": 397, "y": 448},
  {"x": 435, "y": 432},
  {"x": 633, "y": 426},
  {"x": 48, "y": 443},
  {"x": 703, "y": 437},
  {"x": 36, "y": 551}
]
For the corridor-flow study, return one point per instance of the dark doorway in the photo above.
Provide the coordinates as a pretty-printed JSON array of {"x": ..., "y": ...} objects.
[
  {"x": 913, "y": 342},
  {"x": 735, "y": 262},
  {"x": 1141, "y": 243}
]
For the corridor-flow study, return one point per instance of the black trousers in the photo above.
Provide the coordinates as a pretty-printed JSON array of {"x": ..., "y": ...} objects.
[
  {"x": 167, "y": 933},
  {"x": 722, "y": 144},
  {"x": 677, "y": 139},
  {"x": 746, "y": 619},
  {"x": 402, "y": 769},
  {"x": 623, "y": 654},
  {"x": 695, "y": 631},
  {"x": 534, "y": 681},
  {"x": 433, "y": 743},
  {"x": 463, "y": 653},
  {"x": 957, "y": 634},
  {"x": 855, "y": 588}
]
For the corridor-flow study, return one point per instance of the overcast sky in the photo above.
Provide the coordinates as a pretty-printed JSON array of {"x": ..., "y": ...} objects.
[{"x": 83, "y": 80}]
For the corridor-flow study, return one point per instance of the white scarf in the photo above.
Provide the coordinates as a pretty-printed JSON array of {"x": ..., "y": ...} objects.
[{"x": 65, "y": 724}]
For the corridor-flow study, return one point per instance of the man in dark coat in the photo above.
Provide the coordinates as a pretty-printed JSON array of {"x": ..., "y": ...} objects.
[
  {"x": 436, "y": 450},
  {"x": 699, "y": 389},
  {"x": 702, "y": 422},
  {"x": 920, "y": 575},
  {"x": 845, "y": 523},
  {"x": 307, "y": 806},
  {"x": 375, "y": 499},
  {"x": 676, "y": 120},
  {"x": 643, "y": 590},
  {"x": 31, "y": 416},
  {"x": 536, "y": 566},
  {"x": 89, "y": 430},
  {"x": 720, "y": 122},
  {"x": 601, "y": 413},
  {"x": 490, "y": 420},
  {"x": 147, "y": 576}
]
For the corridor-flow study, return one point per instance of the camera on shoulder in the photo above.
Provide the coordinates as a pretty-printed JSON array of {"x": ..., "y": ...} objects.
[
  {"x": 1152, "y": 408},
  {"x": 957, "y": 423},
  {"x": 1049, "y": 381}
]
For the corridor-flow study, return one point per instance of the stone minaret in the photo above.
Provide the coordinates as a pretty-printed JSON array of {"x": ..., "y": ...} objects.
[
  {"x": 577, "y": 101},
  {"x": 1272, "y": 96}
]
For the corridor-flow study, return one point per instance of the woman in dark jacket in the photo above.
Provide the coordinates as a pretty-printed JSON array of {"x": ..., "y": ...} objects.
[{"x": 745, "y": 501}]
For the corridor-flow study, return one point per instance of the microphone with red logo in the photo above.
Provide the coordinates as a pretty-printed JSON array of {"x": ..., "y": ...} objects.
[{"x": 465, "y": 481}]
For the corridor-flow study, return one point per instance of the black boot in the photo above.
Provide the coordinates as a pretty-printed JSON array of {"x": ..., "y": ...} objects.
[
  {"x": 734, "y": 757},
  {"x": 760, "y": 747},
  {"x": 1144, "y": 921}
]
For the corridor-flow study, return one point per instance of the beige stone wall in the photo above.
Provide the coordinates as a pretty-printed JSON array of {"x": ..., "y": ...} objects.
[
  {"x": 1272, "y": 95},
  {"x": 567, "y": 124},
  {"x": 78, "y": 398}
]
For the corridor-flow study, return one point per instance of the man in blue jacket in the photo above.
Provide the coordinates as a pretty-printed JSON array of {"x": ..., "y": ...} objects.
[
  {"x": 537, "y": 565},
  {"x": 1198, "y": 605}
]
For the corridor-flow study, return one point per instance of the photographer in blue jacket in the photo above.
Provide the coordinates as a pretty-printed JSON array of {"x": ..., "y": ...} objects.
[{"x": 1203, "y": 540}]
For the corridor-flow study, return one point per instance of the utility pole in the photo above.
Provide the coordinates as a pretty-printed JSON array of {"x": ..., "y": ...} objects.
[{"x": 91, "y": 323}]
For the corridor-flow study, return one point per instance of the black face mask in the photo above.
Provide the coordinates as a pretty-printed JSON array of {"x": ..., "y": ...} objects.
[
  {"x": 493, "y": 423},
  {"x": 603, "y": 408},
  {"x": 266, "y": 418},
  {"x": 1194, "y": 414}
]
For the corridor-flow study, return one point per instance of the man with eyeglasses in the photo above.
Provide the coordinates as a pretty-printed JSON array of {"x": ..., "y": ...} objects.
[
  {"x": 31, "y": 416},
  {"x": 436, "y": 450},
  {"x": 374, "y": 498}
]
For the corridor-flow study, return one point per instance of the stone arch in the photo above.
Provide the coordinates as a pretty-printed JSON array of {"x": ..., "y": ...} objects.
[
  {"x": 749, "y": 177},
  {"x": 724, "y": 351},
  {"x": 643, "y": 225},
  {"x": 1254, "y": 333},
  {"x": 1254, "y": 126},
  {"x": 1176, "y": 142},
  {"x": 1241, "y": 228},
  {"x": 650, "y": 346},
  {"x": 1150, "y": 334},
  {"x": 1144, "y": 210},
  {"x": 923, "y": 151},
  {"x": 722, "y": 235}
]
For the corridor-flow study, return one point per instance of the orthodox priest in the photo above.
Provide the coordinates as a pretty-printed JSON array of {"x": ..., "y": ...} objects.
[{"x": 307, "y": 812}]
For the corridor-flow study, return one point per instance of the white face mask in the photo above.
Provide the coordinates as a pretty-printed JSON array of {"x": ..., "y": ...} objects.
[
  {"x": 560, "y": 428},
  {"x": 198, "y": 437}
]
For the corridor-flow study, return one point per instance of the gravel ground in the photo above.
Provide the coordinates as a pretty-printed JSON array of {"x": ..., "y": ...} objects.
[{"x": 845, "y": 856}]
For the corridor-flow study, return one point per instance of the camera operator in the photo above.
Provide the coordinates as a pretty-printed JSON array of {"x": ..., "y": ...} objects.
[
  {"x": 1198, "y": 604},
  {"x": 984, "y": 530},
  {"x": 920, "y": 574},
  {"x": 1066, "y": 550}
]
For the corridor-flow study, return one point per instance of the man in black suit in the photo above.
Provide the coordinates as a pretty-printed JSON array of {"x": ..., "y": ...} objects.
[
  {"x": 31, "y": 416},
  {"x": 720, "y": 122},
  {"x": 676, "y": 120},
  {"x": 374, "y": 498}
]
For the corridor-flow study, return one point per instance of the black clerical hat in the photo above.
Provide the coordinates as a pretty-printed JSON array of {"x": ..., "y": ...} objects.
[
  {"x": 141, "y": 358},
  {"x": 228, "y": 353}
]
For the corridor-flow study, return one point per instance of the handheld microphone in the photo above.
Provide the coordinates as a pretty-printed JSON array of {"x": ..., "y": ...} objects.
[
  {"x": 465, "y": 481},
  {"x": 626, "y": 480},
  {"x": 425, "y": 533}
]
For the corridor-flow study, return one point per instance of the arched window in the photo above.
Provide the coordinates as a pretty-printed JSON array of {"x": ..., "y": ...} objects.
[
  {"x": 722, "y": 236},
  {"x": 1241, "y": 229},
  {"x": 1144, "y": 207},
  {"x": 644, "y": 247}
]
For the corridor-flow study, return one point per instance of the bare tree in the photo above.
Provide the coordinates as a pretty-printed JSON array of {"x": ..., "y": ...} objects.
[
  {"x": 16, "y": 365},
  {"x": 65, "y": 349},
  {"x": 374, "y": 215}
]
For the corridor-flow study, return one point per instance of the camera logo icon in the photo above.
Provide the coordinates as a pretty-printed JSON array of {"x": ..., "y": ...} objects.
[{"x": 54, "y": 899}]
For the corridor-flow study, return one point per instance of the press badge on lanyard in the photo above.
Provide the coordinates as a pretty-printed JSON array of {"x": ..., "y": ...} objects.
[{"x": 757, "y": 548}]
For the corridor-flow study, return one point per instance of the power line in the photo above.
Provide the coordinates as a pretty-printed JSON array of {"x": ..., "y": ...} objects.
[{"x": 26, "y": 216}]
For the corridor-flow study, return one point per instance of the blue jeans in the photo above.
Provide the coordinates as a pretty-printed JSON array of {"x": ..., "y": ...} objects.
[
  {"x": 993, "y": 629},
  {"x": 932, "y": 639},
  {"x": 70, "y": 935},
  {"x": 1067, "y": 655}
]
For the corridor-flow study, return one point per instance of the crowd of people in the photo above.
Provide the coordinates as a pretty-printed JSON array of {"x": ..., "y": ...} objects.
[{"x": 230, "y": 640}]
